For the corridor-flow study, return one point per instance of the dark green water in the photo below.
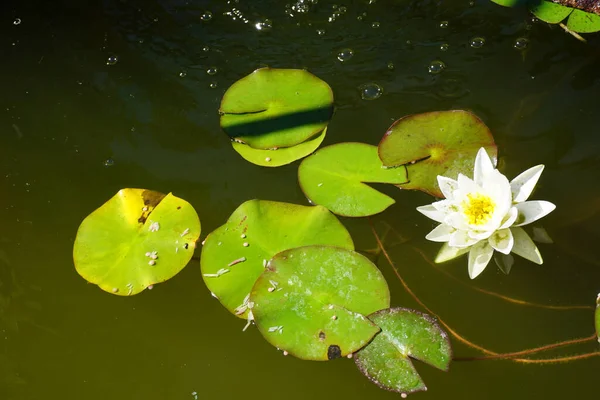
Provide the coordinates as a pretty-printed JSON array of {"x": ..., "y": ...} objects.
[{"x": 116, "y": 94}]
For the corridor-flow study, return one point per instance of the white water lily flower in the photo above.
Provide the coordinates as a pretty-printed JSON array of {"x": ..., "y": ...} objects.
[{"x": 485, "y": 214}]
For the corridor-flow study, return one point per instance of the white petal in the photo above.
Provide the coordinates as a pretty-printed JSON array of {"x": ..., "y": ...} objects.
[
  {"x": 530, "y": 211},
  {"x": 456, "y": 220},
  {"x": 447, "y": 253},
  {"x": 524, "y": 246},
  {"x": 502, "y": 241},
  {"x": 466, "y": 185},
  {"x": 523, "y": 185},
  {"x": 509, "y": 218},
  {"x": 479, "y": 257},
  {"x": 431, "y": 212},
  {"x": 483, "y": 167},
  {"x": 441, "y": 233},
  {"x": 447, "y": 186},
  {"x": 461, "y": 239},
  {"x": 480, "y": 235}
]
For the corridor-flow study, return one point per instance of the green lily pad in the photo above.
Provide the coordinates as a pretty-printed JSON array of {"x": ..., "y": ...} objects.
[
  {"x": 583, "y": 22},
  {"x": 405, "y": 334},
  {"x": 235, "y": 254},
  {"x": 311, "y": 301},
  {"x": 273, "y": 108},
  {"x": 598, "y": 317},
  {"x": 510, "y": 3},
  {"x": 136, "y": 239},
  {"x": 334, "y": 177},
  {"x": 436, "y": 143},
  {"x": 282, "y": 156},
  {"x": 550, "y": 12}
]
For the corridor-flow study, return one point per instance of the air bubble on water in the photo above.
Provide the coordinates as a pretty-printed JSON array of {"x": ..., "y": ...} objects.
[
  {"x": 301, "y": 6},
  {"x": 112, "y": 60},
  {"x": 212, "y": 85},
  {"x": 109, "y": 162},
  {"x": 345, "y": 55},
  {"x": 182, "y": 74},
  {"x": 205, "y": 48},
  {"x": 375, "y": 25},
  {"x": 212, "y": 70},
  {"x": 320, "y": 32},
  {"x": 477, "y": 42},
  {"x": 521, "y": 43},
  {"x": 370, "y": 91},
  {"x": 17, "y": 21},
  {"x": 390, "y": 65},
  {"x": 444, "y": 46},
  {"x": 206, "y": 16},
  {"x": 435, "y": 67},
  {"x": 263, "y": 25},
  {"x": 443, "y": 24}
]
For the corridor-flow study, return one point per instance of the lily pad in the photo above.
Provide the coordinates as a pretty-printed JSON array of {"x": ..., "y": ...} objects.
[
  {"x": 334, "y": 177},
  {"x": 436, "y": 143},
  {"x": 273, "y": 108},
  {"x": 405, "y": 334},
  {"x": 598, "y": 317},
  {"x": 510, "y": 3},
  {"x": 283, "y": 156},
  {"x": 311, "y": 301},
  {"x": 235, "y": 254},
  {"x": 550, "y": 12},
  {"x": 136, "y": 239},
  {"x": 583, "y": 22}
]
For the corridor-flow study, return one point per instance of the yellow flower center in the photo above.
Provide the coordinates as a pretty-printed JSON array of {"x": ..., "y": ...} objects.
[{"x": 478, "y": 208}]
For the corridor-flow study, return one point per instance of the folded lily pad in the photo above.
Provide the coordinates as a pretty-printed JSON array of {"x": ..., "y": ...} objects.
[
  {"x": 279, "y": 157},
  {"x": 274, "y": 108},
  {"x": 136, "y": 239},
  {"x": 334, "y": 177},
  {"x": 436, "y": 143},
  {"x": 311, "y": 301},
  {"x": 405, "y": 334},
  {"x": 235, "y": 254}
]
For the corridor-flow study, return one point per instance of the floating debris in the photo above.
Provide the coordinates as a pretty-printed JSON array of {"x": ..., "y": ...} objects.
[{"x": 239, "y": 260}]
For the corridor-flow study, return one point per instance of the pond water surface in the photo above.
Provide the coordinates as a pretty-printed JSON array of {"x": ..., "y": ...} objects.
[{"x": 125, "y": 93}]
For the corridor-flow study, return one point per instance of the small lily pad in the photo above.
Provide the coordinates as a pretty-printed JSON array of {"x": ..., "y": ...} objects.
[
  {"x": 436, "y": 143},
  {"x": 583, "y": 22},
  {"x": 510, "y": 3},
  {"x": 311, "y": 301},
  {"x": 136, "y": 239},
  {"x": 235, "y": 254},
  {"x": 598, "y": 317},
  {"x": 273, "y": 108},
  {"x": 279, "y": 157},
  {"x": 334, "y": 177},
  {"x": 405, "y": 334},
  {"x": 550, "y": 12}
]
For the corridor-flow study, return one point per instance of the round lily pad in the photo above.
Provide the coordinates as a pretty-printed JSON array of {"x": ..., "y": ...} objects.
[
  {"x": 136, "y": 239},
  {"x": 279, "y": 157},
  {"x": 312, "y": 301},
  {"x": 550, "y": 12},
  {"x": 334, "y": 177},
  {"x": 583, "y": 22},
  {"x": 436, "y": 143},
  {"x": 273, "y": 108},
  {"x": 235, "y": 254},
  {"x": 405, "y": 334}
]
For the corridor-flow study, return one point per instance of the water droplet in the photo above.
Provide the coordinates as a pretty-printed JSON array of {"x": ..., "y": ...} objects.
[
  {"x": 109, "y": 162},
  {"x": 444, "y": 46},
  {"x": 345, "y": 55},
  {"x": 213, "y": 85},
  {"x": 212, "y": 70},
  {"x": 390, "y": 65},
  {"x": 435, "y": 67},
  {"x": 207, "y": 16},
  {"x": 301, "y": 7},
  {"x": 521, "y": 43},
  {"x": 17, "y": 21},
  {"x": 182, "y": 74},
  {"x": 477, "y": 42},
  {"x": 375, "y": 25},
  {"x": 112, "y": 60},
  {"x": 264, "y": 25},
  {"x": 320, "y": 32},
  {"x": 370, "y": 91},
  {"x": 205, "y": 48},
  {"x": 443, "y": 24}
]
